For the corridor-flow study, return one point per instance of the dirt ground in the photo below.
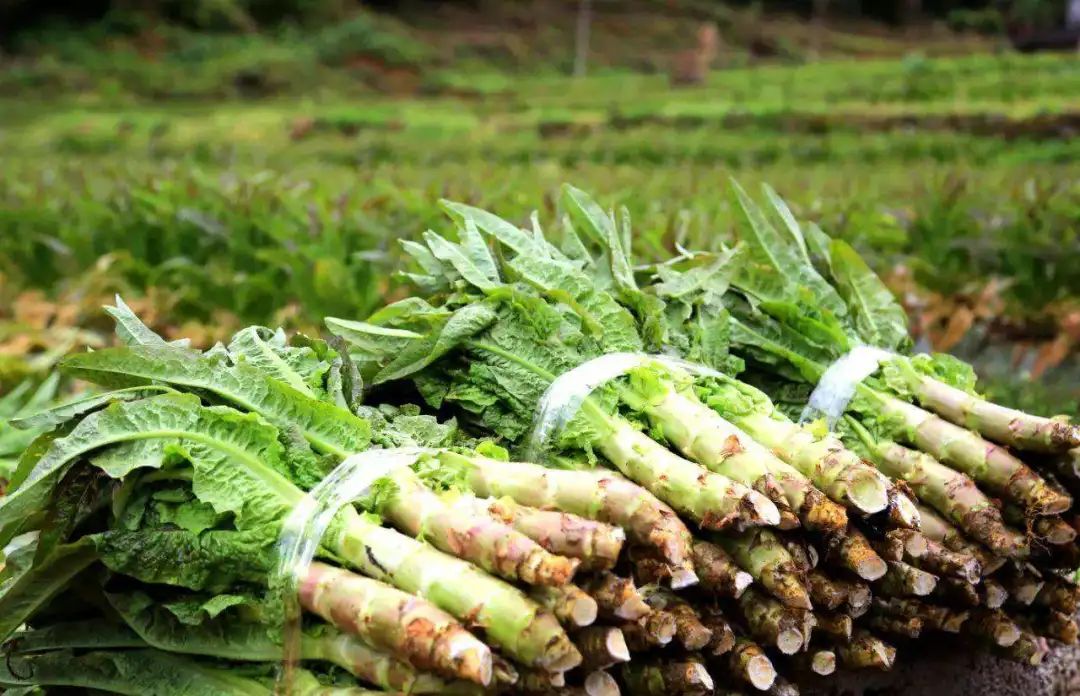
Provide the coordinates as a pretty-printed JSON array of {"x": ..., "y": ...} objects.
[{"x": 943, "y": 670}]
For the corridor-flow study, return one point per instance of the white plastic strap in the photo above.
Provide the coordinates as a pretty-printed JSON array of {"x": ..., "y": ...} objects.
[
  {"x": 564, "y": 397},
  {"x": 303, "y": 530},
  {"x": 836, "y": 387}
]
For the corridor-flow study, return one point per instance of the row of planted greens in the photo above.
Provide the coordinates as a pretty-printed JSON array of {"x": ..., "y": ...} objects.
[{"x": 549, "y": 469}]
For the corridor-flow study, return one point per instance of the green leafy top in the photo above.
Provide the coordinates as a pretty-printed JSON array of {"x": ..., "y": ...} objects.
[{"x": 503, "y": 328}]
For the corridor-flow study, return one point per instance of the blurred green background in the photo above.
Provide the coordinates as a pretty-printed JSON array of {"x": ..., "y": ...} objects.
[{"x": 224, "y": 162}]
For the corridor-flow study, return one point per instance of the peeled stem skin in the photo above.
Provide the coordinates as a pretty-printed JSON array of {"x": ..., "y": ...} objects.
[
  {"x": 990, "y": 465},
  {"x": 474, "y": 536},
  {"x": 394, "y": 621},
  {"x": 510, "y": 620},
  {"x": 707, "y": 438},
  {"x": 596, "y": 494},
  {"x": 596, "y": 545},
  {"x": 761, "y": 553},
  {"x": 952, "y": 494},
  {"x": 1007, "y": 426},
  {"x": 713, "y": 501}
]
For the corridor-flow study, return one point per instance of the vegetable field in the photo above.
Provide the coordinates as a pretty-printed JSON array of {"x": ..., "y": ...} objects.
[
  {"x": 292, "y": 208},
  {"x": 522, "y": 383}
]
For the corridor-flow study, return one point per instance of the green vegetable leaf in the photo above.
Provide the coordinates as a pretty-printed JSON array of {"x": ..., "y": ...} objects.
[
  {"x": 226, "y": 637},
  {"x": 134, "y": 672},
  {"x": 267, "y": 350},
  {"x": 878, "y": 317},
  {"x": 56, "y": 415},
  {"x": 214, "y": 561},
  {"x": 83, "y": 635},
  {"x": 25, "y": 586},
  {"x": 131, "y": 330},
  {"x": 325, "y": 426},
  {"x": 785, "y": 256},
  {"x": 465, "y": 263}
]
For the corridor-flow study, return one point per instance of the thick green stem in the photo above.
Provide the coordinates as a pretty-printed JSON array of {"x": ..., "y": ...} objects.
[
  {"x": 712, "y": 500},
  {"x": 616, "y": 597},
  {"x": 910, "y": 627},
  {"x": 951, "y": 493},
  {"x": 854, "y": 552},
  {"x": 723, "y": 635},
  {"x": 837, "y": 626},
  {"x": 570, "y": 604},
  {"x": 866, "y": 651},
  {"x": 1050, "y": 530},
  {"x": 684, "y": 677},
  {"x": 936, "y": 528},
  {"x": 1059, "y": 594},
  {"x": 654, "y": 630},
  {"x": 601, "y": 647},
  {"x": 992, "y": 466},
  {"x": 392, "y": 620},
  {"x": 376, "y": 667},
  {"x": 718, "y": 572},
  {"x": 945, "y": 562},
  {"x": 836, "y": 470},
  {"x": 510, "y": 619},
  {"x": 903, "y": 580},
  {"x": 993, "y": 626},
  {"x": 596, "y": 544},
  {"x": 473, "y": 535},
  {"x": 932, "y": 616},
  {"x": 690, "y": 632},
  {"x": 595, "y": 494},
  {"x": 748, "y": 663},
  {"x": 761, "y": 553},
  {"x": 703, "y": 435},
  {"x": 1016, "y": 429},
  {"x": 825, "y": 593},
  {"x": 772, "y": 623}
]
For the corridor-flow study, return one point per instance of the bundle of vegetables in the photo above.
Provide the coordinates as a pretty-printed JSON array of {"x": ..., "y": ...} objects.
[
  {"x": 677, "y": 531},
  {"x": 886, "y": 525},
  {"x": 141, "y": 530}
]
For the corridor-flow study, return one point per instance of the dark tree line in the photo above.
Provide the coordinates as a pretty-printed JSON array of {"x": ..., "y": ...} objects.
[{"x": 233, "y": 15}]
